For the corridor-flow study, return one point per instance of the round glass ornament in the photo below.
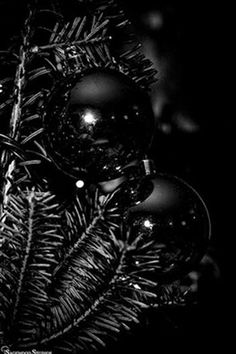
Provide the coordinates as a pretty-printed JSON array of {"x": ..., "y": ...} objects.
[
  {"x": 175, "y": 217},
  {"x": 96, "y": 123}
]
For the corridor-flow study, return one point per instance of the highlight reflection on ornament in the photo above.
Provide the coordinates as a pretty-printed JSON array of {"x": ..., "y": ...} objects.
[
  {"x": 176, "y": 218},
  {"x": 89, "y": 117}
]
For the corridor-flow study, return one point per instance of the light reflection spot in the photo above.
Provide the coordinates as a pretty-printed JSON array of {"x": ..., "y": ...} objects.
[
  {"x": 79, "y": 184},
  {"x": 148, "y": 224},
  {"x": 89, "y": 117}
]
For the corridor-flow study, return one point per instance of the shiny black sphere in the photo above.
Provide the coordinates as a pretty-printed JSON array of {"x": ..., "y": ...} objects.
[
  {"x": 97, "y": 123},
  {"x": 176, "y": 218}
]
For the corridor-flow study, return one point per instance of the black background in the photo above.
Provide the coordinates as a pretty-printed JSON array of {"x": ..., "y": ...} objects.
[{"x": 194, "y": 39}]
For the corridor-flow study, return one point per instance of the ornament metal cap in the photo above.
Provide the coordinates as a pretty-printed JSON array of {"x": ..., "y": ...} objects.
[{"x": 141, "y": 169}]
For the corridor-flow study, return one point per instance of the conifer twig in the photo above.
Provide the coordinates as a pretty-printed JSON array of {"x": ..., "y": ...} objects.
[
  {"x": 81, "y": 42},
  {"x": 8, "y": 163}
]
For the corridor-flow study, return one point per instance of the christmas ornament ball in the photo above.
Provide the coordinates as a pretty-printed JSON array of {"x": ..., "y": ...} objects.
[
  {"x": 175, "y": 217},
  {"x": 96, "y": 123}
]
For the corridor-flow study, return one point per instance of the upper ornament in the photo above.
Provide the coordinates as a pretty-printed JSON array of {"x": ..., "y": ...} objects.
[{"x": 97, "y": 123}]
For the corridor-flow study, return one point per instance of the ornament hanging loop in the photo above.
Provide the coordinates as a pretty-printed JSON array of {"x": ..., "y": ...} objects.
[{"x": 142, "y": 169}]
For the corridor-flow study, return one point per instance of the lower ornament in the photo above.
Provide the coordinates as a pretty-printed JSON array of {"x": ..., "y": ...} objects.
[{"x": 175, "y": 217}]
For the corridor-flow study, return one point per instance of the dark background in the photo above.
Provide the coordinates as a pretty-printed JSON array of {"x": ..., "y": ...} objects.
[
  {"x": 189, "y": 45},
  {"x": 193, "y": 139}
]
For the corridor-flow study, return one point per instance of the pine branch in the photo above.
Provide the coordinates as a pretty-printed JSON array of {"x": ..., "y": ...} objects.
[
  {"x": 27, "y": 252},
  {"x": 67, "y": 37},
  {"x": 93, "y": 228},
  {"x": 117, "y": 308},
  {"x": 7, "y": 162},
  {"x": 31, "y": 244},
  {"x": 102, "y": 276},
  {"x": 173, "y": 294},
  {"x": 83, "y": 43},
  {"x": 95, "y": 304}
]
